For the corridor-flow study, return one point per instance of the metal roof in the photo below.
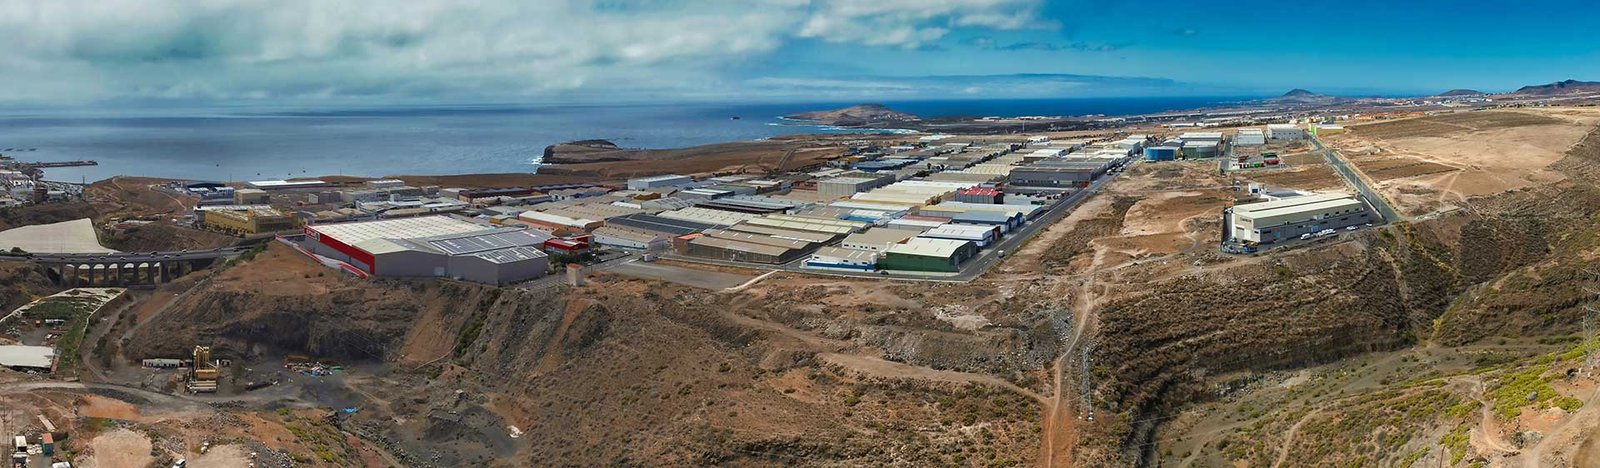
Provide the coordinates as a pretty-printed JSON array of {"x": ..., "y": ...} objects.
[
  {"x": 961, "y": 231},
  {"x": 852, "y": 254},
  {"x": 801, "y": 225},
  {"x": 922, "y": 246},
  {"x": 806, "y": 236},
  {"x": 488, "y": 240},
  {"x": 40, "y": 357},
  {"x": 740, "y": 246},
  {"x": 1302, "y": 208},
  {"x": 880, "y": 236},
  {"x": 1255, "y": 208},
  {"x": 405, "y": 228},
  {"x": 511, "y": 255},
  {"x": 757, "y": 239},
  {"x": 676, "y": 227}
]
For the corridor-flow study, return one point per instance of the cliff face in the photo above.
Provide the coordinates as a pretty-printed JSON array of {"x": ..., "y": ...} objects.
[{"x": 619, "y": 372}]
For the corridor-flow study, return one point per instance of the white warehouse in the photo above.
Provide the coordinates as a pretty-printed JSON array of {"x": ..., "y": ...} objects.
[
  {"x": 1289, "y": 218},
  {"x": 670, "y": 180},
  {"x": 1285, "y": 132}
]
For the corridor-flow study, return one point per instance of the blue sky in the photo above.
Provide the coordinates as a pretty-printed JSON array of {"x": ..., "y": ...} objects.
[{"x": 160, "y": 52}]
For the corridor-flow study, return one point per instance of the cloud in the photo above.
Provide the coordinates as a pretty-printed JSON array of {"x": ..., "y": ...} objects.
[
  {"x": 988, "y": 43},
  {"x": 989, "y": 86},
  {"x": 89, "y": 50}
]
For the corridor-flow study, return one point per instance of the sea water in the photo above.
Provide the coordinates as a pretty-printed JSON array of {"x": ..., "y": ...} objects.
[{"x": 248, "y": 143}]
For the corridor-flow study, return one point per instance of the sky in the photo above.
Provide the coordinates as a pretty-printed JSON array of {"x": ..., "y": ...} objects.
[{"x": 170, "y": 52}]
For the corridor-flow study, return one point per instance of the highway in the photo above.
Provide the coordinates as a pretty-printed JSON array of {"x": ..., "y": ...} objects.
[{"x": 1355, "y": 181}]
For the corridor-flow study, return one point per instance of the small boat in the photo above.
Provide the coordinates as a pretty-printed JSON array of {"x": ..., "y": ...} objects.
[{"x": 734, "y": 118}]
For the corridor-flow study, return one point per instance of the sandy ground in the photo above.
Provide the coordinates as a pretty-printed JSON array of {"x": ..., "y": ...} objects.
[
  {"x": 223, "y": 456},
  {"x": 681, "y": 275},
  {"x": 76, "y": 236},
  {"x": 1435, "y": 163},
  {"x": 118, "y": 448}
]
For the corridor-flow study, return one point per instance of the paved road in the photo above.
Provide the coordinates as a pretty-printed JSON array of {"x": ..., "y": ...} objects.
[
  {"x": 971, "y": 270},
  {"x": 1355, "y": 181}
]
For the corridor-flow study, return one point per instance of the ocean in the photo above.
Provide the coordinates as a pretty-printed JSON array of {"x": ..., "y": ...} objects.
[{"x": 232, "y": 144}]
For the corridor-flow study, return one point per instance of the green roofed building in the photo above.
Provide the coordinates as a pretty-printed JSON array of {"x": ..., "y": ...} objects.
[{"x": 924, "y": 254}]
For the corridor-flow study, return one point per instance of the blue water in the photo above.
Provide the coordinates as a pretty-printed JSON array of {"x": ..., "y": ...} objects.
[{"x": 256, "y": 143}]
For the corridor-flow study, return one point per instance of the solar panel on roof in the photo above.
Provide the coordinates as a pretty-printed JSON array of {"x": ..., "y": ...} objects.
[{"x": 514, "y": 254}]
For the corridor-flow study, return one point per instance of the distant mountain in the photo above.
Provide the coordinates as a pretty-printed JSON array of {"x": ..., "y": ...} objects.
[
  {"x": 1461, "y": 92},
  {"x": 1301, "y": 96},
  {"x": 1559, "y": 87},
  {"x": 855, "y": 116}
]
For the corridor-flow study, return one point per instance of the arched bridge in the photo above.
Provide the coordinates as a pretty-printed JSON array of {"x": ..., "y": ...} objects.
[{"x": 125, "y": 268}]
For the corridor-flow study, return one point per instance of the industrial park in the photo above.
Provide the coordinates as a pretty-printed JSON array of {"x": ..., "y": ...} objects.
[{"x": 1017, "y": 280}]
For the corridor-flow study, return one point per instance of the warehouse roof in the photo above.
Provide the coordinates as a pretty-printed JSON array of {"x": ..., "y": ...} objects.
[
  {"x": 511, "y": 255},
  {"x": 1303, "y": 208},
  {"x": 806, "y": 236},
  {"x": 625, "y": 233},
  {"x": 754, "y": 238},
  {"x": 740, "y": 246},
  {"x": 880, "y": 236},
  {"x": 961, "y": 231},
  {"x": 801, "y": 225},
  {"x": 406, "y": 228},
  {"x": 655, "y": 223},
  {"x": 852, "y": 254},
  {"x": 1253, "y": 208},
  {"x": 556, "y": 218},
  {"x": 922, "y": 246},
  {"x": 820, "y": 220},
  {"x": 658, "y": 178},
  {"x": 458, "y": 244},
  {"x": 709, "y": 216},
  {"x": 985, "y": 217},
  {"x": 38, "y": 357}
]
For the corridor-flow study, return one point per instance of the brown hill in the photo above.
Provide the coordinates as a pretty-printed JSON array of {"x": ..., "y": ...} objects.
[
  {"x": 855, "y": 116},
  {"x": 1303, "y": 97},
  {"x": 1559, "y": 88},
  {"x": 618, "y": 372}
]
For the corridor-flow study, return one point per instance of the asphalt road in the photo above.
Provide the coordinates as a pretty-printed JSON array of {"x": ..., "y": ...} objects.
[{"x": 1374, "y": 199}]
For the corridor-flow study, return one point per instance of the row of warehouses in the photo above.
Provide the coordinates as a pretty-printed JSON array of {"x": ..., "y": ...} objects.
[
  {"x": 874, "y": 215},
  {"x": 1208, "y": 144}
]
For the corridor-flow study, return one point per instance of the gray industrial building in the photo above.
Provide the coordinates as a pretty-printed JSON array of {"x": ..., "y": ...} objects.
[
  {"x": 843, "y": 187},
  {"x": 433, "y": 246},
  {"x": 1056, "y": 174},
  {"x": 670, "y": 180}
]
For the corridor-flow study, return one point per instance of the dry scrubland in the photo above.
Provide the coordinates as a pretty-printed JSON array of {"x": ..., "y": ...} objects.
[{"x": 1434, "y": 163}]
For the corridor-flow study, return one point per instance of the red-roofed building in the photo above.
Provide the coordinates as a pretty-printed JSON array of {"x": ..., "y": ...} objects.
[
  {"x": 566, "y": 246},
  {"x": 979, "y": 195}
]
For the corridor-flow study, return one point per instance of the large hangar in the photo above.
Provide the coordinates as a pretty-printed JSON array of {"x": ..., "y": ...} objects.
[{"x": 434, "y": 246}]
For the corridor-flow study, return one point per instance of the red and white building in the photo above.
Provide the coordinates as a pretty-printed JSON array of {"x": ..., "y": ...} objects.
[{"x": 433, "y": 246}]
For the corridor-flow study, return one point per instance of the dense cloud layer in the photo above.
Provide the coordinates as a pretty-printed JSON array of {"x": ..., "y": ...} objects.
[{"x": 87, "y": 50}]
